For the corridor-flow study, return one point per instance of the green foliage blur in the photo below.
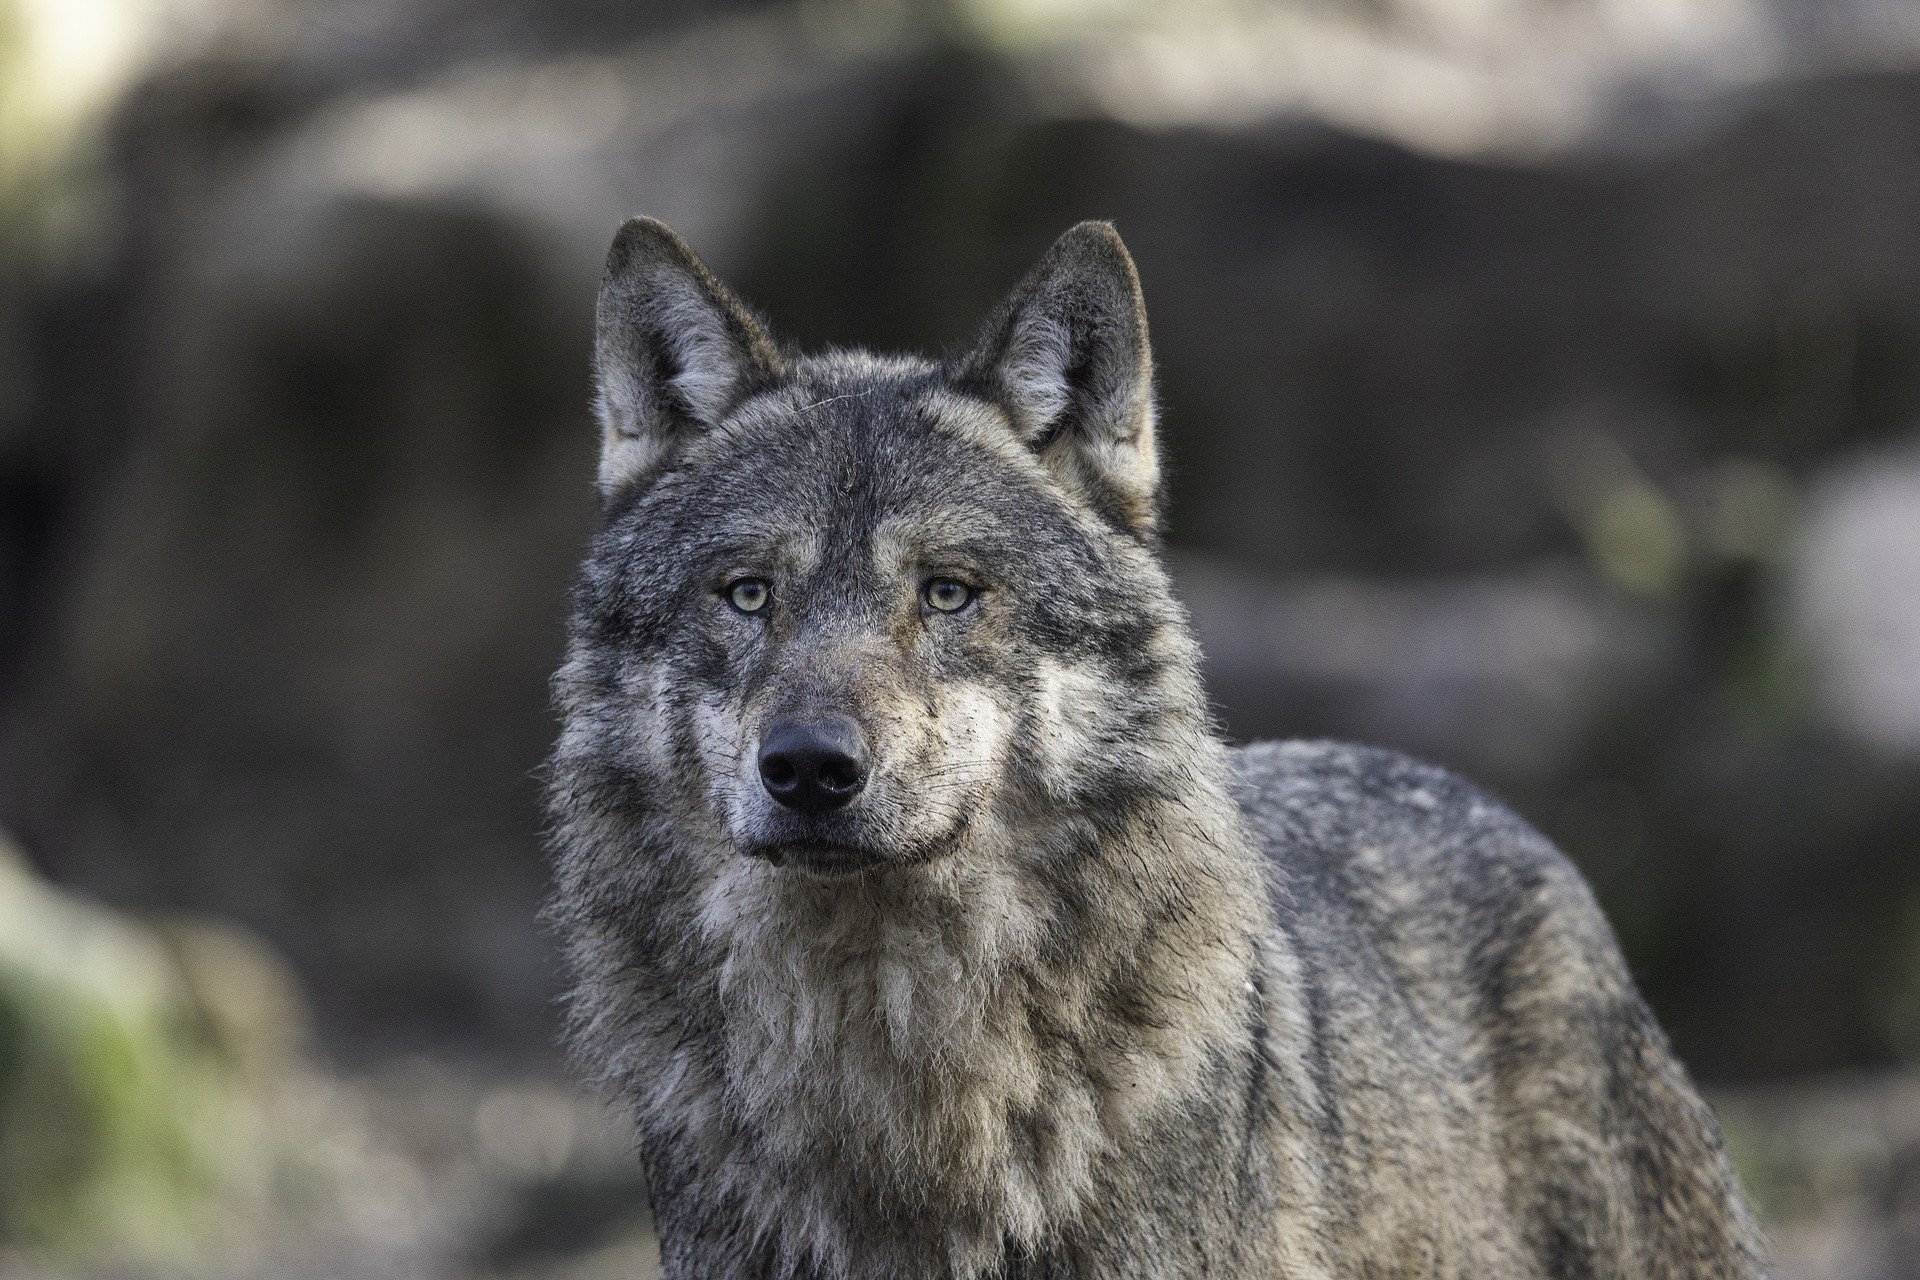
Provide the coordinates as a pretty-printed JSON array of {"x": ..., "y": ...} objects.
[{"x": 133, "y": 1062}]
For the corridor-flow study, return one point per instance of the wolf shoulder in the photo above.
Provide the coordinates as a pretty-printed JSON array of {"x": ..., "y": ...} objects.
[
  {"x": 1389, "y": 861},
  {"x": 1441, "y": 950}
]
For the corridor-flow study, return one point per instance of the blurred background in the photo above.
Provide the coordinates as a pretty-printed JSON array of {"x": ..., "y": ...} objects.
[{"x": 1542, "y": 390}]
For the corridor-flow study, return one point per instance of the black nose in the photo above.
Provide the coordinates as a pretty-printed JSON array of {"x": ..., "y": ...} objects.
[{"x": 813, "y": 765}]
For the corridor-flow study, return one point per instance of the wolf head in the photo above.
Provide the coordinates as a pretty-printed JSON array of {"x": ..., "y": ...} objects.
[
  {"x": 846, "y": 610},
  {"x": 886, "y": 790}
]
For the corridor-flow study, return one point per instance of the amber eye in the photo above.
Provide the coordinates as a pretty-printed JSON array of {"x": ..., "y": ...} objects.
[
  {"x": 945, "y": 595},
  {"x": 749, "y": 595}
]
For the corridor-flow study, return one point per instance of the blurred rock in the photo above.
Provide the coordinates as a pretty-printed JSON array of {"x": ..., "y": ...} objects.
[
  {"x": 1854, "y": 596},
  {"x": 1503, "y": 673},
  {"x": 131, "y": 1083}
]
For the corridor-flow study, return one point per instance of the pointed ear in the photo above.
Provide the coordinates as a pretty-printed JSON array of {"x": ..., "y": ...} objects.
[
  {"x": 674, "y": 351},
  {"x": 1065, "y": 355}
]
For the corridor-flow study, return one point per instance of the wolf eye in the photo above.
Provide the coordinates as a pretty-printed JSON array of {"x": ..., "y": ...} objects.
[
  {"x": 946, "y": 595},
  {"x": 749, "y": 595}
]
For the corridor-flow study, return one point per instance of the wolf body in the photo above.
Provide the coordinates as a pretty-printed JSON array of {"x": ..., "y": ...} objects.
[{"x": 927, "y": 929}]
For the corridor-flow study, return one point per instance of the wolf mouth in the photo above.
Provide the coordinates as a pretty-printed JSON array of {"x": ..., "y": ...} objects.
[
  {"x": 820, "y": 857},
  {"x": 839, "y": 858}
]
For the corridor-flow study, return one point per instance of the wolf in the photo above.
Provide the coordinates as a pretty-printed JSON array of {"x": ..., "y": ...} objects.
[{"x": 923, "y": 921}]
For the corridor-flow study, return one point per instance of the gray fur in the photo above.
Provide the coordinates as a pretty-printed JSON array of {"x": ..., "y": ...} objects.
[{"x": 1071, "y": 990}]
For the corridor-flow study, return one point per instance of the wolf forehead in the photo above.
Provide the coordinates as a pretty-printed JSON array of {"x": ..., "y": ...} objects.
[{"x": 846, "y": 455}]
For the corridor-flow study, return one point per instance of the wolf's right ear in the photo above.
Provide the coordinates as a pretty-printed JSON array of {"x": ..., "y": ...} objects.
[{"x": 674, "y": 351}]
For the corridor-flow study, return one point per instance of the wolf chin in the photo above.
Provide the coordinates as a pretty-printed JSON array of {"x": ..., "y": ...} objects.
[{"x": 927, "y": 928}]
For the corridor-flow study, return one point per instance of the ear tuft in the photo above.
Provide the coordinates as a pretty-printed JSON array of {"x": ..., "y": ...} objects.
[
  {"x": 1065, "y": 355},
  {"x": 674, "y": 351}
]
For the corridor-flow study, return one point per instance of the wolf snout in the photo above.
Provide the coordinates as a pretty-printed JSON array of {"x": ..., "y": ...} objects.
[{"x": 814, "y": 766}]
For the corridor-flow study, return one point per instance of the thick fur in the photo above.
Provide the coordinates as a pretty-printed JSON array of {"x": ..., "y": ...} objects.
[{"x": 1071, "y": 990}]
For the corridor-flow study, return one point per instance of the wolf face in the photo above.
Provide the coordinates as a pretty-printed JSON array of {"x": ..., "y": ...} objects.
[{"x": 851, "y": 610}]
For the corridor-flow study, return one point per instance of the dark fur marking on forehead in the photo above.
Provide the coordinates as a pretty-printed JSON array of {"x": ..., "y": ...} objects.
[{"x": 867, "y": 457}]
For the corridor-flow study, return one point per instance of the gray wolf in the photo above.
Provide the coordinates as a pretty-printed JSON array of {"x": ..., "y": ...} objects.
[{"x": 925, "y": 925}]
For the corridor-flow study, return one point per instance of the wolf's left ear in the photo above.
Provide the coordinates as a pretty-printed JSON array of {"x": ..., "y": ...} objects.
[
  {"x": 674, "y": 350},
  {"x": 1065, "y": 355}
]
